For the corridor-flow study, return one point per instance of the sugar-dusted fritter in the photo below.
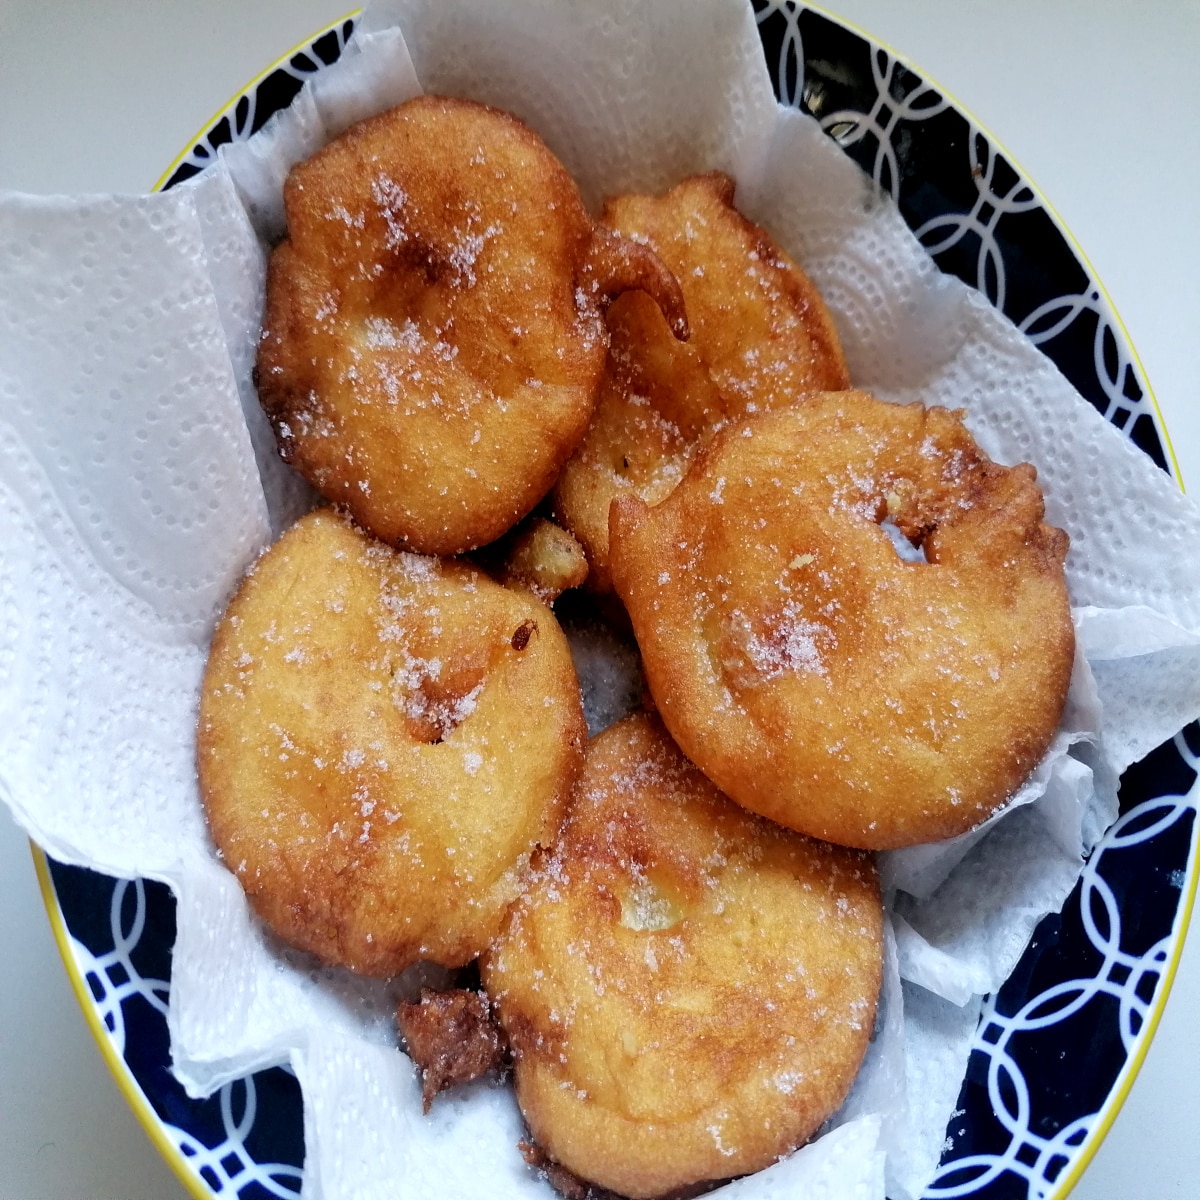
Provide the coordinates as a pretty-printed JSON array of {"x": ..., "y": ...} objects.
[
  {"x": 433, "y": 339},
  {"x": 760, "y": 336},
  {"x": 688, "y": 991},
  {"x": 384, "y": 739},
  {"x": 815, "y": 674}
]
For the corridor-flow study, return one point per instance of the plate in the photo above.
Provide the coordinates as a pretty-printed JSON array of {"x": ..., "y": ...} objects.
[{"x": 1056, "y": 1048}]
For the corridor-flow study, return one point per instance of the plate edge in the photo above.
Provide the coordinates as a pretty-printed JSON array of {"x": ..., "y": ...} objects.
[
  {"x": 1132, "y": 1067},
  {"x": 1066, "y": 231},
  {"x": 228, "y": 107},
  {"x": 124, "y": 1078}
]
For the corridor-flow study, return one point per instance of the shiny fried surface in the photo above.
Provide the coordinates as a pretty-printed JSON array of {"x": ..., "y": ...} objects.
[
  {"x": 433, "y": 339},
  {"x": 384, "y": 739},
  {"x": 813, "y": 673},
  {"x": 687, "y": 990},
  {"x": 760, "y": 336}
]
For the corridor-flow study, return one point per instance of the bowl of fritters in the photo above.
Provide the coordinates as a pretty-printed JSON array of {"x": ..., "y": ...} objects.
[{"x": 962, "y": 1140}]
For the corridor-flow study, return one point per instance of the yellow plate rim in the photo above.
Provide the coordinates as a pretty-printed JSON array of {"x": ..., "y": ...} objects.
[
  {"x": 1120, "y": 1090},
  {"x": 230, "y": 105},
  {"x": 124, "y": 1078},
  {"x": 122, "y": 1075}
]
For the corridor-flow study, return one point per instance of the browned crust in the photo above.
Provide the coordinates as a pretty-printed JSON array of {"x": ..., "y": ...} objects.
[
  {"x": 566, "y": 1183},
  {"x": 571, "y": 1187},
  {"x": 616, "y": 265},
  {"x": 687, "y": 990},
  {"x": 377, "y": 757},
  {"x": 433, "y": 340},
  {"x": 452, "y": 228},
  {"x": 452, "y": 1037}
]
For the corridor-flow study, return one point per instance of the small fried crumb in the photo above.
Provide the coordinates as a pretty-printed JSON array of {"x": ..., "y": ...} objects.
[
  {"x": 452, "y": 1037},
  {"x": 546, "y": 559},
  {"x": 522, "y": 634}
]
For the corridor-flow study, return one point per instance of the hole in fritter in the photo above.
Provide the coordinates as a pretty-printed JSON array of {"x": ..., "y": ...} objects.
[
  {"x": 904, "y": 548},
  {"x": 432, "y": 699}
]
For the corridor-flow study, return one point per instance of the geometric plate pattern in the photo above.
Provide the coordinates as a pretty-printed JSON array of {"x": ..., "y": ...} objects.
[
  {"x": 245, "y": 1140},
  {"x": 1056, "y": 1043},
  {"x": 267, "y": 95},
  {"x": 970, "y": 208}
]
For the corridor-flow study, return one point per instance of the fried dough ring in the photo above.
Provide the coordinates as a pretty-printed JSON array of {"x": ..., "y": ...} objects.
[
  {"x": 760, "y": 336},
  {"x": 433, "y": 343},
  {"x": 688, "y": 991},
  {"x": 383, "y": 741},
  {"x": 813, "y": 674}
]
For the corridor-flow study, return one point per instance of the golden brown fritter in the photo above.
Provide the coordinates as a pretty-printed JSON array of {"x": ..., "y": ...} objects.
[
  {"x": 433, "y": 340},
  {"x": 384, "y": 739},
  {"x": 760, "y": 336},
  {"x": 687, "y": 990},
  {"x": 814, "y": 674}
]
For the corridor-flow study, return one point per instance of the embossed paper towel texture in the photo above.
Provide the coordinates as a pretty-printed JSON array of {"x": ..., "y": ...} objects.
[
  {"x": 631, "y": 97},
  {"x": 131, "y": 503}
]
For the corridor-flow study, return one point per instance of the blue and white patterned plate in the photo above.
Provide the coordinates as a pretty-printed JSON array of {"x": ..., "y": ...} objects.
[{"x": 1057, "y": 1047}]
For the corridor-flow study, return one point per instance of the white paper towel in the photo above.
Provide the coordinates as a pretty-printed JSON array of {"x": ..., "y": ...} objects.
[{"x": 138, "y": 479}]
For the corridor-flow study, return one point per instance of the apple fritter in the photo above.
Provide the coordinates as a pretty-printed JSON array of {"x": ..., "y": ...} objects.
[
  {"x": 687, "y": 990},
  {"x": 434, "y": 339},
  {"x": 760, "y": 336},
  {"x": 817, "y": 675},
  {"x": 384, "y": 740}
]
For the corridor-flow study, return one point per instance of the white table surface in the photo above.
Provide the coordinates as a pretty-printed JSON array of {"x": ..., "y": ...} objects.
[{"x": 1097, "y": 100}]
